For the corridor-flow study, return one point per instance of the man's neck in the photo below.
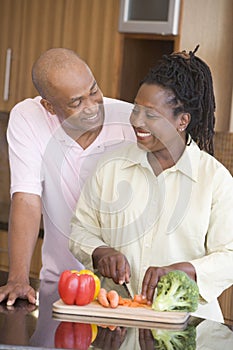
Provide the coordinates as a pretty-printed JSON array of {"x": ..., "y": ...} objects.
[{"x": 86, "y": 139}]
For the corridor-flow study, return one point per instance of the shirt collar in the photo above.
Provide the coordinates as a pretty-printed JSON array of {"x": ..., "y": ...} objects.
[
  {"x": 111, "y": 134},
  {"x": 188, "y": 164}
]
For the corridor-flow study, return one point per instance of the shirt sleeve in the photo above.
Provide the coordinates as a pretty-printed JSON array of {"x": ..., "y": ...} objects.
[
  {"x": 214, "y": 270},
  {"x": 85, "y": 225},
  {"x": 24, "y": 154}
]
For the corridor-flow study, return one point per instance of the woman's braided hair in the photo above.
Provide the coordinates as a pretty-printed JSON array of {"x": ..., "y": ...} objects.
[{"x": 190, "y": 80}]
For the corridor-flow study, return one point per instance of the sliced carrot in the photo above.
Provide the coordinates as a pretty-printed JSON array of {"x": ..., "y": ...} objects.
[
  {"x": 113, "y": 298},
  {"x": 138, "y": 298},
  {"x": 124, "y": 301},
  {"x": 102, "y": 297},
  {"x": 131, "y": 302}
]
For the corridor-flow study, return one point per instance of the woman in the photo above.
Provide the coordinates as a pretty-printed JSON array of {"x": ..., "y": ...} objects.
[{"x": 165, "y": 203}]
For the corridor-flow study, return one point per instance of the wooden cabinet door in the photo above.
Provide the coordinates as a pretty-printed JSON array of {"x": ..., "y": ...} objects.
[
  {"x": 42, "y": 28},
  {"x": 226, "y": 303},
  {"x": 11, "y": 13},
  {"x": 28, "y": 28},
  {"x": 91, "y": 30}
]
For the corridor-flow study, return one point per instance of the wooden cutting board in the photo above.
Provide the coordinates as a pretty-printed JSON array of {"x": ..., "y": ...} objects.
[{"x": 140, "y": 314}]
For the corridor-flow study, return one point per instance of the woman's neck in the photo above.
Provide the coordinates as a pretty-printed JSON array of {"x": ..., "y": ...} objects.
[{"x": 166, "y": 158}]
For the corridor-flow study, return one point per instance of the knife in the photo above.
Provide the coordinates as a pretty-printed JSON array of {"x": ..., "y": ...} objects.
[{"x": 127, "y": 290}]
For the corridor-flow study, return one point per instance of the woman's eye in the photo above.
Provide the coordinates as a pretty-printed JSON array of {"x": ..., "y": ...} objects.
[
  {"x": 151, "y": 115},
  {"x": 135, "y": 110}
]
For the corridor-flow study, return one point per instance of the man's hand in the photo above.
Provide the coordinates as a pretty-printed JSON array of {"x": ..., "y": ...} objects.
[
  {"x": 112, "y": 264},
  {"x": 24, "y": 224},
  {"x": 13, "y": 290}
]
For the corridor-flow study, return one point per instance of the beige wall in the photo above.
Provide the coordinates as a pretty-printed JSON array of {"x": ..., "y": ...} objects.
[{"x": 210, "y": 24}]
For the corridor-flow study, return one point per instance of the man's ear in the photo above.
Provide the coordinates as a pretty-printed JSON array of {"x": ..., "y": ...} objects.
[
  {"x": 47, "y": 105},
  {"x": 184, "y": 121}
]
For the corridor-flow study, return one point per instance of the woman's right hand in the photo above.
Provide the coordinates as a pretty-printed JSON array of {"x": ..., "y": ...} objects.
[{"x": 112, "y": 264}]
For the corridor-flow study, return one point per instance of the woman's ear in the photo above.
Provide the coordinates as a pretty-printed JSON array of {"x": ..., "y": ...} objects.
[
  {"x": 184, "y": 121},
  {"x": 47, "y": 105}
]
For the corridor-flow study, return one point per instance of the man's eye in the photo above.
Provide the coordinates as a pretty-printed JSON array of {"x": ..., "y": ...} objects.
[
  {"x": 94, "y": 91},
  {"x": 76, "y": 104}
]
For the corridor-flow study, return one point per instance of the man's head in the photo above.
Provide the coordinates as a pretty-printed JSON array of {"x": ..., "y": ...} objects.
[{"x": 68, "y": 88}]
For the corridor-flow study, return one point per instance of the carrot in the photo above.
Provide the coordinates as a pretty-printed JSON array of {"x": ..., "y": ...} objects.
[
  {"x": 124, "y": 301},
  {"x": 132, "y": 302},
  {"x": 113, "y": 298},
  {"x": 102, "y": 297},
  {"x": 138, "y": 298},
  {"x": 111, "y": 327}
]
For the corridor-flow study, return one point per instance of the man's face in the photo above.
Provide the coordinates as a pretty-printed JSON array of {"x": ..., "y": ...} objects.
[{"x": 76, "y": 98}]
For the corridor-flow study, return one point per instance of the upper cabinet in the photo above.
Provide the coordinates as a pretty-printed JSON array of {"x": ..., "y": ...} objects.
[
  {"x": 11, "y": 13},
  {"x": 27, "y": 27},
  {"x": 118, "y": 60},
  {"x": 91, "y": 29}
]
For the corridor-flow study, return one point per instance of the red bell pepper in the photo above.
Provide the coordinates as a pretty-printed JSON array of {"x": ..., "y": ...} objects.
[
  {"x": 71, "y": 335},
  {"x": 75, "y": 289}
]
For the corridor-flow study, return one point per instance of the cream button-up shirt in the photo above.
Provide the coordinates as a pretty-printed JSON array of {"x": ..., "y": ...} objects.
[{"x": 184, "y": 214}]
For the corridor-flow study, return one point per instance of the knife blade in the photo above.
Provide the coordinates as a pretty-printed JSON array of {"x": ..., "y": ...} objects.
[{"x": 127, "y": 290}]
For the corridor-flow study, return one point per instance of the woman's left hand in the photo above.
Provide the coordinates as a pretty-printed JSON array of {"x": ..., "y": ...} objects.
[{"x": 153, "y": 274}]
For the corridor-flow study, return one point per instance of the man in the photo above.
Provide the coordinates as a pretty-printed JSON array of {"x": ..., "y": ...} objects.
[{"x": 54, "y": 141}]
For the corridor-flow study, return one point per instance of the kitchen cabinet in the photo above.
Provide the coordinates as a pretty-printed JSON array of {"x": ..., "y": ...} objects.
[
  {"x": 10, "y": 25},
  {"x": 223, "y": 147},
  {"x": 118, "y": 60},
  {"x": 30, "y": 27},
  {"x": 90, "y": 28},
  {"x": 140, "y": 52},
  {"x": 4, "y": 171},
  {"x": 226, "y": 303},
  {"x": 27, "y": 27},
  {"x": 36, "y": 258}
]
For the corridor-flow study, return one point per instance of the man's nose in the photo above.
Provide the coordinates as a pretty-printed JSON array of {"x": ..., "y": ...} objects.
[{"x": 90, "y": 107}]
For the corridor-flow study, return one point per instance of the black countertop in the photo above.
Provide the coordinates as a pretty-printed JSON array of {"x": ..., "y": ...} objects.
[{"x": 26, "y": 326}]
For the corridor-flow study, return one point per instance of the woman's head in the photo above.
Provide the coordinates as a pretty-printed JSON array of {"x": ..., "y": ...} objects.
[{"x": 188, "y": 82}]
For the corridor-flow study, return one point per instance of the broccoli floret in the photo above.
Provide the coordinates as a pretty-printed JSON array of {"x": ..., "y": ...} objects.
[
  {"x": 175, "y": 340},
  {"x": 176, "y": 291}
]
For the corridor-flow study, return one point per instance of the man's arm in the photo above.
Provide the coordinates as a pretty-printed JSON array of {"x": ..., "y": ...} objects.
[{"x": 24, "y": 223}]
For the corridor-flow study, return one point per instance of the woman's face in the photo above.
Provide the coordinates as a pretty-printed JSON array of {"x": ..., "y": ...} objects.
[{"x": 155, "y": 126}]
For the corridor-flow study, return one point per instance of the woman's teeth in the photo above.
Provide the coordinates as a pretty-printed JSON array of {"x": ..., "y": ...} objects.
[
  {"x": 92, "y": 117},
  {"x": 143, "y": 134}
]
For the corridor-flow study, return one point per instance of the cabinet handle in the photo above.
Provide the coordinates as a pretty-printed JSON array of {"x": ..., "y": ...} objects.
[{"x": 7, "y": 75}]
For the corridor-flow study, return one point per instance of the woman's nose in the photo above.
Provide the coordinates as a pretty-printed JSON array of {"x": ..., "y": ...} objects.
[{"x": 137, "y": 119}]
